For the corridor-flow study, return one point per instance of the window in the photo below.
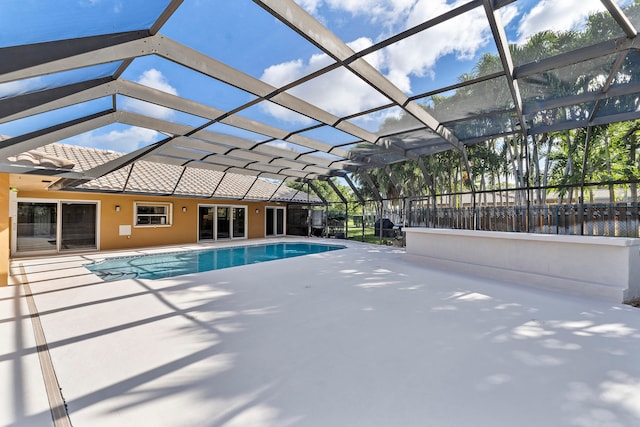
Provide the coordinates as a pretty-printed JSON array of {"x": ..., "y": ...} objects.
[{"x": 152, "y": 214}]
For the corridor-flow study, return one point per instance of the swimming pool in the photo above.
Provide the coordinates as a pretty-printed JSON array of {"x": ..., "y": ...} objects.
[{"x": 178, "y": 263}]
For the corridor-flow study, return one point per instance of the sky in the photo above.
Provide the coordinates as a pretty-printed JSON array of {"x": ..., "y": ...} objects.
[{"x": 246, "y": 37}]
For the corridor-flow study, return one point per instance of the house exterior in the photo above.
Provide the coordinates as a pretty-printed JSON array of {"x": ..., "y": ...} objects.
[{"x": 144, "y": 204}]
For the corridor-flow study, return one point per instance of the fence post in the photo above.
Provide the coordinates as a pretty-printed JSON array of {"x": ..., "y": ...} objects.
[
  {"x": 581, "y": 211},
  {"x": 346, "y": 220}
]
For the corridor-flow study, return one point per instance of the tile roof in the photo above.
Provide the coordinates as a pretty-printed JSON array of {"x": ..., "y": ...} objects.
[{"x": 162, "y": 179}]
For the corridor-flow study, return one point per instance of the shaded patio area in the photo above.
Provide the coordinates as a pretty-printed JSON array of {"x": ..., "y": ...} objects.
[{"x": 355, "y": 337}]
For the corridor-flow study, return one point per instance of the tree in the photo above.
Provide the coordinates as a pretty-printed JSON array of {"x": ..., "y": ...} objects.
[{"x": 549, "y": 158}]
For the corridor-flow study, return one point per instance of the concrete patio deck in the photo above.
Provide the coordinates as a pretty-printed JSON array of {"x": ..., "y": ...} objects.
[{"x": 356, "y": 337}]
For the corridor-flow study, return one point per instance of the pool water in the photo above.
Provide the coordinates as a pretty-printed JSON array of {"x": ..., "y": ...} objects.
[{"x": 178, "y": 263}]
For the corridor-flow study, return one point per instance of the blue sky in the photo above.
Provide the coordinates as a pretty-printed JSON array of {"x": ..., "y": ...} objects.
[{"x": 246, "y": 37}]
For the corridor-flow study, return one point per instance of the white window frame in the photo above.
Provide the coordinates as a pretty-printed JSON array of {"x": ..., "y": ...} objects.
[
  {"x": 168, "y": 216},
  {"x": 215, "y": 221},
  {"x": 275, "y": 221},
  {"x": 246, "y": 221}
]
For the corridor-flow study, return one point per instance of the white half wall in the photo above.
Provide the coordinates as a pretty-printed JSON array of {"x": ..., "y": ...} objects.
[{"x": 602, "y": 267}]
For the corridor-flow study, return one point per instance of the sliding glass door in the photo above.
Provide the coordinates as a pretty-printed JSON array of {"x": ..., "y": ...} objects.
[
  {"x": 238, "y": 218},
  {"x": 78, "y": 229},
  {"x": 46, "y": 226},
  {"x": 37, "y": 225},
  {"x": 222, "y": 222},
  {"x": 274, "y": 217},
  {"x": 205, "y": 223}
]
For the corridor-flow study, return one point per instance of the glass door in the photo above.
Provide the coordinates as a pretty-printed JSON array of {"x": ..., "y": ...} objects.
[
  {"x": 37, "y": 227},
  {"x": 78, "y": 226},
  {"x": 280, "y": 221},
  {"x": 274, "y": 222},
  {"x": 239, "y": 215},
  {"x": 205, "y": 222},
  {"x": 269, "y": 226},
  {"x": 223, "y": 223},
  {"x": 45, "y": 226}
]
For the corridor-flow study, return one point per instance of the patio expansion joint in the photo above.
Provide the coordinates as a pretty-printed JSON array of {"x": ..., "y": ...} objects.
[{"x": 57, "y": 403}]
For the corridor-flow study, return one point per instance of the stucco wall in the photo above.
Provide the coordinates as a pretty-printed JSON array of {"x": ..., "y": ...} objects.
[
  {"x": 5, "y": 231},
  {"x": 184, "y": 229},
  {"x": 603, "y": 267}
]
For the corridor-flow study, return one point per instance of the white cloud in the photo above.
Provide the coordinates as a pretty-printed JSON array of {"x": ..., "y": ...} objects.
[
  {"x": 310, "y": 6},
  {"x": 386, "y": 12},
  {"x": 19, "y": 87},
  {"x": 556, "y": 16},
  {"x": 340, "y": 92},
  {"x": 283, "y": 145},
  {"x": 122, "y": 141},
  {"x": 416, "y": 56},
  {"x": 462, "y": 36},
  {"x": 283, "y": 73},
  {"x": 10, "y": 89},
  {"x": 508, "y": 14},
  {"x": 156, "y": 80}
]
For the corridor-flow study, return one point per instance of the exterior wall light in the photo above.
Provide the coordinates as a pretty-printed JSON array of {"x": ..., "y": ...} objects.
[
  {"x": 184, "y": 209},
  {"x": 257, "y": 210},
  {"x": 117, "y": 208}
]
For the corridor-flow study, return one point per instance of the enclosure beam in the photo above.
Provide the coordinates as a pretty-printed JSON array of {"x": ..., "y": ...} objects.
[
  {"x": 603, "y": 120},
  {"x": 427, "y": 176},
  {"x": 393, "y": 179},
  {"x": 48, "y": 100},
  {"x": 355, "y": 190},
  {"x": 220, "y": 143},
  {"x": 500, "y": 38},
  {"x": 620, "y": 18},
  {"x": 346, "y": 205},
  {"x": 579, "y": 55},
  {"x": 337, "y": 191},
  {"x": 18, "y": 62},
  {"x": 277, "y": 189},
  {"x": 315, "y": 190},
  {"x": 304, "y": 24},
  {"x": 20, "y": 144},
  {"x": 620, "y": 90},
  {"x": 118, "y": 48},
  {"x": 29, "y": 104},
  {"x": 208, "y": 66},
  {"x": 587, "y": 145},
  {"x": 369, "y": 181},
  {"x": 251, "y": 187},
  {"x": 607, "y": 84}
]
